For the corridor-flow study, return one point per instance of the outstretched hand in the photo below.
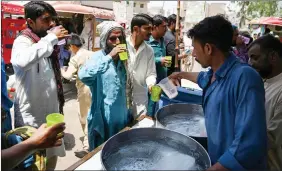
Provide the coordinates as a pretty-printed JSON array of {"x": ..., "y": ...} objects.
[{"x": 47, "y": 137}]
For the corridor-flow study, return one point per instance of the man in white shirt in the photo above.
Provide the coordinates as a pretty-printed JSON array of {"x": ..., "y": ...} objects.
[
  {"x": 265, "y": 55},
  {"x": 37, "y": 72},
  {"x": 80, "y": 57},
  {"x": 141, "y": 62}
]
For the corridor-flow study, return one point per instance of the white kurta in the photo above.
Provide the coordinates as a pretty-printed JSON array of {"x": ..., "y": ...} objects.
[
  {"x": 142, "y": 63},
  {"x": 36, "y": 88},
  {"x": 273, "y": 106}
]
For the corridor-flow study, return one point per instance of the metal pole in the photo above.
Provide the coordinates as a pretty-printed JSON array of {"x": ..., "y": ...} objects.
[{"x": 177, "y": 35}]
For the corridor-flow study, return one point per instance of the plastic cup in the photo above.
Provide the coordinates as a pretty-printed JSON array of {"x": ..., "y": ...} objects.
[
  {"x": 123, "y": 55},
  {"x": 168, "y": 58},
  {"x": 54, "y": 118},
  {"x": 156, "y": 93}
]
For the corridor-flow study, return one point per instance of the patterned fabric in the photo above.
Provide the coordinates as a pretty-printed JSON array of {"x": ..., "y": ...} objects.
[{"x": 55, "y": 65}]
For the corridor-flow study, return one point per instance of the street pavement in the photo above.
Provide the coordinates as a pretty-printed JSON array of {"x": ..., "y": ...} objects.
[{"x": 73, "y": 132}]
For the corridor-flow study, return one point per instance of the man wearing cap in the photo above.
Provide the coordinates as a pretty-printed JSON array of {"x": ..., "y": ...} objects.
[{"x": 105, "y": 74}]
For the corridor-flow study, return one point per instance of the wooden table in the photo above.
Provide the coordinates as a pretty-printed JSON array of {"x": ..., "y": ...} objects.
[{"x": 98, "y": 149}]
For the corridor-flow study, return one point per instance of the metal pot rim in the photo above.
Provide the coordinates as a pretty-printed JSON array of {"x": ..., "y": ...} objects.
[
  {"x": 174, "y": 104},
  {"x": 132, "y": 129}
]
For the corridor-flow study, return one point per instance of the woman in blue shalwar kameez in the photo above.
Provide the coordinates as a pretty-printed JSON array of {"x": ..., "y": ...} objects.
[{"x": 105, "y": 74}]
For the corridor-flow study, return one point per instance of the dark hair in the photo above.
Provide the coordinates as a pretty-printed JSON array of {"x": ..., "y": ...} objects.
[
  {"x": 171, "y": 19},
  {"x": 35, "y": 9},
  {"x": 140, "y": 20},
  {"x": 215, "y": 30},
  {"x": 268, "y": 43},
  {"x": 267, "y": 30},
  {"x": 75, "y": 40},
  {"x": 158, "y": 20}
]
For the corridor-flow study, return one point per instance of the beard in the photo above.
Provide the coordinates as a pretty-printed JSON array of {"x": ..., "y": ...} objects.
[
  {"x": 41, "y": 33},
  {"x": 264, "y": 72}
]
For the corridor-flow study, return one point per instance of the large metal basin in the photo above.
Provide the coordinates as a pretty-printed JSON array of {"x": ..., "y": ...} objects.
[
  {"x": 153, "y": 149},
  {"x": 187, "y": 119}
]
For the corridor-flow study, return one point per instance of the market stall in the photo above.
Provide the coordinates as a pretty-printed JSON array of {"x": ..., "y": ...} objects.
[
  {"x": 83, "y": 21},
  {"x": 274, "y": 24}
]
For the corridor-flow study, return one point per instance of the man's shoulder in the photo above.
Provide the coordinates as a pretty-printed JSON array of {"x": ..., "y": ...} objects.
[
  {"x": 22, "y": 39},
  {"x": 148, "y": 48},
  {"x": 169, "y": 36},
  {"x": 243, "y": 73}
]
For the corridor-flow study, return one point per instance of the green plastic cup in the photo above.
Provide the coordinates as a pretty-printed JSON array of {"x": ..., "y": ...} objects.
[
  {"x": 123, "y": 55},
  {"x": 54, "y": 118},
  {"x": 168, "y": 58},
  {"x": 156, "y": 93}
]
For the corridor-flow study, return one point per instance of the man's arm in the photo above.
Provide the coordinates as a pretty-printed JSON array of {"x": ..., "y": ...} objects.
[
  {"x": 72, "y": 68},
  {"x": 24, "y": 53},
  {"x": 42, "y": 139},
  {"x": 170, "y": 49},
  {"x": 151, "y": 74},
  {"x": 249, "y": 147},
  {"x": 94, "y": 66},
  {"x": 177, "y": 76}
]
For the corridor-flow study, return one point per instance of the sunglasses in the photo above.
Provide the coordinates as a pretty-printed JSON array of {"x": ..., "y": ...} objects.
[{"x": 114, "y": 38}]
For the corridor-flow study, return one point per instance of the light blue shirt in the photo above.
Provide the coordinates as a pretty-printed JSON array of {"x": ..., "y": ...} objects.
[
  {"x": 235, "y": 116},
  {"x": 107, "y": 82}
]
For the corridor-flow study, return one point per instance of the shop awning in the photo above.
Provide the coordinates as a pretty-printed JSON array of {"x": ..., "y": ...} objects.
[
  {"x": 277, "y": 21},
  {"x": 12, "y": 8},
  {"x": 76, "y": 8}
]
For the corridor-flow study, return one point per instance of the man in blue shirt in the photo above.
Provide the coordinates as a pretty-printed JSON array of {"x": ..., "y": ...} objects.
[
  {"x": 233, "y": 99},
  {"x": 156, "y": 41}
]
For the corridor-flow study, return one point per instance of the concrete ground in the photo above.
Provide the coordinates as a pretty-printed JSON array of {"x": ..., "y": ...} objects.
[{"x": 73, "y": 132}]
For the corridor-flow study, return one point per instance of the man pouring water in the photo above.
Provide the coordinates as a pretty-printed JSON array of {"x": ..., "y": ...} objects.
[{"x": 233, "y": 99}]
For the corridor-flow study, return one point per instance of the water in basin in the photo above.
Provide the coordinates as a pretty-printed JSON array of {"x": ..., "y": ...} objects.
[{"x": 187, "y": 124}]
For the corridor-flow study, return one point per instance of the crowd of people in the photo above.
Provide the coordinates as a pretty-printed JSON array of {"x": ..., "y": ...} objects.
[{"x": 242, "y": 88}]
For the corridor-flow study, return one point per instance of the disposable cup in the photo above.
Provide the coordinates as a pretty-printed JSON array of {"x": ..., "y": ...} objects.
[
  {"x": 123, "y": 55},
  {"x": 156, "y": 93},
  {"x": 168, "y": 58},
  {"x": 54, "y": 118},
  {"x": 168, "y": 87}
]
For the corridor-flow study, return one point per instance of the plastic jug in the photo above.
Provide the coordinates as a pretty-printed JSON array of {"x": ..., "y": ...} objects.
[{"x": 168, "y": 87}]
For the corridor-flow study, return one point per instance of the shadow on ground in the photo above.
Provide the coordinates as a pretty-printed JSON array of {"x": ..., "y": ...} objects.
[
  {"x": 69, "y": 141},
  {"x": 70, "y": 91}
]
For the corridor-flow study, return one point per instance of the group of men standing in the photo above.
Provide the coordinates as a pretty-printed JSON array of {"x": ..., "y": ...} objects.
[{"x": 238, "y": 126}]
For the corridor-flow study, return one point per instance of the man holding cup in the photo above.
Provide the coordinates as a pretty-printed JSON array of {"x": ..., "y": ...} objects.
[
  {"x": 162, "y": 61},
  {"x": 156, "y": 41},
  {"x": 105, "y": 74},
  {"x": 37, "y": 70},
  {"x": 141, "y": 63}
]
